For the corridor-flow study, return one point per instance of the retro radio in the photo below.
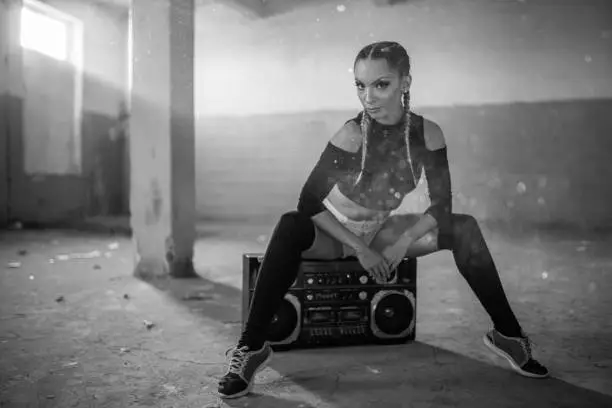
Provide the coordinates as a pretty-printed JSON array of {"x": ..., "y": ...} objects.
[{"x": 337, "y": 303}]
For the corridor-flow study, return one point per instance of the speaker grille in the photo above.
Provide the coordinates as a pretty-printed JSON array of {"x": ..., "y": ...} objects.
[{"x": 392, "y": 314}]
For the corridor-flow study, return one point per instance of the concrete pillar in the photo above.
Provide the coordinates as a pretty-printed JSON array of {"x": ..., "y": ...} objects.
[
  {"x": 162, "y": 145},
  {"x": 4, "y": 108}
]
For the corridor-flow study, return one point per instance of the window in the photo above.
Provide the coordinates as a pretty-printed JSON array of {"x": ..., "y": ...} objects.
[
  {"x": 52, "y": 72},
  {"x": 44, "y": 34}
]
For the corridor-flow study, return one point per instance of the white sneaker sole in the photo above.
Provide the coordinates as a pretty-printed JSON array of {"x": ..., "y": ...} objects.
[
  {"x": 505, "y": 355},
  {"x": 249, "y": 387}
]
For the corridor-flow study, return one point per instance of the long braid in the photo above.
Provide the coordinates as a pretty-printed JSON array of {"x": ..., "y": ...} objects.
[
  {"x": 365, "y": 130},
  {"x": 407, "y": 126}
]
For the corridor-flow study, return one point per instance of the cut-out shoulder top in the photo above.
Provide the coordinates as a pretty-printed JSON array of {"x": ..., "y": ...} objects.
[{"x": 387, "y": 177}]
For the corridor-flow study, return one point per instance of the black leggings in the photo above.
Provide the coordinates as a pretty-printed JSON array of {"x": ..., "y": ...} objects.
[{"x": 295, "y": 233}]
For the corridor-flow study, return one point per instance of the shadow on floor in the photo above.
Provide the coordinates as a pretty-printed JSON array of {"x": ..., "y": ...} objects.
[
  {"x": 204, "y": 297},
  {"x": 417, "y": 373},
  {"x": 414, "y": 374}
]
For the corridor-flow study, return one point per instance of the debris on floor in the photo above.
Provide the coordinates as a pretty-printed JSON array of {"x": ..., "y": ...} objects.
[
  {"x": 83, "y": 255},
  {"x": 198, "y": 296}
]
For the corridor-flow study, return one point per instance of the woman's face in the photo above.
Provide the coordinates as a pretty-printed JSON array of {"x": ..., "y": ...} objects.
[{"x": 380, "y": 90}]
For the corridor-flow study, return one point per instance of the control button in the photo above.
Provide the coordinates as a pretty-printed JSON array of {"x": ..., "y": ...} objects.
[
  {"x": 310, "y": 281},
  {"x": 363, "y": 279},
  {"x": 309, "y": 297},
  {"x": 363, "y": 295}
]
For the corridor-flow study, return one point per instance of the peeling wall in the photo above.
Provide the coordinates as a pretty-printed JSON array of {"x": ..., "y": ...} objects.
[
  {"x": 50, "y": 198},
  {"x": 531, "y": 163},
  {"x": 521, "y": 90},
  {"x": 270, "y": 92},
  {"x": 469, "y": 52}
]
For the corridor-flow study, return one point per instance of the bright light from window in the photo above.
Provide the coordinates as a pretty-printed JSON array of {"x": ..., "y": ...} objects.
[{"x": 44, "y": 34}]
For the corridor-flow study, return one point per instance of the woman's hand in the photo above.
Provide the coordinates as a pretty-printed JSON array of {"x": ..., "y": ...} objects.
[
  {"x": 396, "y": 252},
  {"x": 374, "y": 263}
]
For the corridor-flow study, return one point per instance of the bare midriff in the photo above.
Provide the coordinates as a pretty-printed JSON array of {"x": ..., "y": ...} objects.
[{"x": 351, "y": 209}]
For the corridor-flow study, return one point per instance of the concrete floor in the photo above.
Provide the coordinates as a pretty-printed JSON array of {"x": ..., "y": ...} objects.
[{"x": 72, "y": 331}]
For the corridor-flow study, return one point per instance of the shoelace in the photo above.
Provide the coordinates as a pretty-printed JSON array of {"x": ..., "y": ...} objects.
[
  {"x": 527, "y": 345},
  {"x": 237, "y": 359}
]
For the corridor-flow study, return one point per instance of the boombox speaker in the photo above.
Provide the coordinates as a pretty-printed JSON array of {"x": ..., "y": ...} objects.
[{"x": 337, "y": 303}]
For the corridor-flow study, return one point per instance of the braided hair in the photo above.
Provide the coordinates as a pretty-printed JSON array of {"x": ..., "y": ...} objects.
[{"x": 397, "y": 58}]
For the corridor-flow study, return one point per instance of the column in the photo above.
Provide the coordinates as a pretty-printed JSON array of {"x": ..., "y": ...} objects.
[
  {"x": 162, "y": 143},
  {"x": 4, "y": 108}
]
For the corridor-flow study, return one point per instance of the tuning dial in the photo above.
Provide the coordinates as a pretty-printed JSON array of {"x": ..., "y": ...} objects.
[
  {"x": 363, "y": 295},
  {"x": 363, "y": 279}
]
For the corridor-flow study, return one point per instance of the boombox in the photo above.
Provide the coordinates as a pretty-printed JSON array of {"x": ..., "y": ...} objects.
[{"x": 337, "y": 303}]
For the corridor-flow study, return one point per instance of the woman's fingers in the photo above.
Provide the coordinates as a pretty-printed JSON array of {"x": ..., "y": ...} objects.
[
  {"x": 377, "y": 273},
  {"x": 382, "y": 271},
  {"x": 386, "y": 270},
  {"x": 371, "y": 272}
]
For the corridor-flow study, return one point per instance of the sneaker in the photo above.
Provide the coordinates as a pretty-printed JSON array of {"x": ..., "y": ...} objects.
[
  {"x": 243, "y": 365},
  {"x": 517, "y": 350}
]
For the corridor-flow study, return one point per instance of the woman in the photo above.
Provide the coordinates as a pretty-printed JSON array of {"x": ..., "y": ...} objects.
[{"x": 364, "y": 172}]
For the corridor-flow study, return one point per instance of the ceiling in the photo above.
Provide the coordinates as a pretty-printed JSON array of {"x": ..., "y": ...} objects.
[
  {"x": 269, "y": 8},
  {"x": 262, "y": 8}
]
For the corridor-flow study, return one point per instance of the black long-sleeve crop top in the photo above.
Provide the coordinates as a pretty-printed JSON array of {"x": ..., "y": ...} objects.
[{"x": 386, "y": 177}]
